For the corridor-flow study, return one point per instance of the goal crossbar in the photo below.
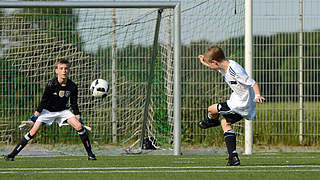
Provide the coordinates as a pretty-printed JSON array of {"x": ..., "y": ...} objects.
[
  {"x": 89, "y": 4},
  {"x": 132, "y": 4}
]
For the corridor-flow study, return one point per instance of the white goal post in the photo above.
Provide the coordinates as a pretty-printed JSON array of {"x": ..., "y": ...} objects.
[
  {"x": 175, "y": 5},
  {"x": 248, "y": 66}
]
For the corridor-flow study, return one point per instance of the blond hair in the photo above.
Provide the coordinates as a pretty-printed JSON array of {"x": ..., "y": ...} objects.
[{"x": 214, "y": 53}]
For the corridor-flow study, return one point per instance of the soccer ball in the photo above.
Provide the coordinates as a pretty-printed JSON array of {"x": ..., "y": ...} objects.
[{"x": 99, "y": 88}]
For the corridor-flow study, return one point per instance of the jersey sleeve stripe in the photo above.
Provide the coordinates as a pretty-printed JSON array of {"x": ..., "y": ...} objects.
[{"x": 232, "y": 72}]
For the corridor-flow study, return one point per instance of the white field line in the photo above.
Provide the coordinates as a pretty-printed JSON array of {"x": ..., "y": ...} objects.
[
  {"x": 162, "y": 171},
  {"x": 247, "y": 157},
  {"x": 182, "y": 158},
  {"x": 163, "y": 167}
]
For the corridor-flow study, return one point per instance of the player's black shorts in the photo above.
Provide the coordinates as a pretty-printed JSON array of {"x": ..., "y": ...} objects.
[{"x": 226, "y": 112}]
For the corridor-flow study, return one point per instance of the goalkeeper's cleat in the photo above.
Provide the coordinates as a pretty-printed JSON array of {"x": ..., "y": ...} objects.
[
  {"x": 26, "y": 125},
  {"x": 92, "y": 157},
  {"x": 8, "y": 158},
  {"x": 234, "y": 160},
  {"x": 207, "y": 123},
  {"x": 88, "y": 128}
]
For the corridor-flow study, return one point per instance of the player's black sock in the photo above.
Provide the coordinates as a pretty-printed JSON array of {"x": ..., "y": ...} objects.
[
  {"x": 85, "y": 140},
  {"x": 23, "y": 142},
  {"x": 230, "y": 138}
]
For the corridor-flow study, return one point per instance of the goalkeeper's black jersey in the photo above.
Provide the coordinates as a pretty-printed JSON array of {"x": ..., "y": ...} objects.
[{"x": 55, "y": 97}]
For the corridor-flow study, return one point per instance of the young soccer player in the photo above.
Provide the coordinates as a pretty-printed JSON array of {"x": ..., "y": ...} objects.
[
  {"x": 241, "y": 104},
  {"x": 53, "y": 106}
]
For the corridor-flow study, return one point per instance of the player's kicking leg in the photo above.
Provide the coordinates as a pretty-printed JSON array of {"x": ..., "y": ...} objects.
[
  {"x": 83, "y": 133},
  {"x": 212, "y": 119},
  {"x": 24, "y": 141}
]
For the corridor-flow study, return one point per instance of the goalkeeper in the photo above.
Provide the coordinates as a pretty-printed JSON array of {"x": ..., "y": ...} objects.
[
  {"x": 53, "y": 106},
  {"x": 241, "y": 104}
]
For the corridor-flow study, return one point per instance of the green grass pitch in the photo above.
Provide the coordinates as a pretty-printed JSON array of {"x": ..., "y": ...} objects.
[{"x": 258, "y": 166}]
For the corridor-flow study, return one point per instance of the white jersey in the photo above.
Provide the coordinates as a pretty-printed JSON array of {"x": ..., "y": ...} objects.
[{"x": 241, "y": 99}]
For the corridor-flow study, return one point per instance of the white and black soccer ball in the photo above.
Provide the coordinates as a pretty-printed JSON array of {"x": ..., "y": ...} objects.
[{"x": 99, "y": 88}]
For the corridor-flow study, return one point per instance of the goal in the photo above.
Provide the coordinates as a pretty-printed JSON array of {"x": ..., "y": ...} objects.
[{"x": 133, "y": 45}]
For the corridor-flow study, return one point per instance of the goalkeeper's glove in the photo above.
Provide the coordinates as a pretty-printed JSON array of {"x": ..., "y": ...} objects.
[
  {"x": 26, "y": 125},
  {"x": 88, "y": 128}
]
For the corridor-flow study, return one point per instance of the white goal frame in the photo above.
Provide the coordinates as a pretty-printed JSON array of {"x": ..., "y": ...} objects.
[{"x": 175, "y": 5}]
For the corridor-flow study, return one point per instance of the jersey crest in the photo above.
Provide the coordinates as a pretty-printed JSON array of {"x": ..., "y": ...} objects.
[
  {"x": 67, "y": 94},
  {"x": 61, "y": 93}
]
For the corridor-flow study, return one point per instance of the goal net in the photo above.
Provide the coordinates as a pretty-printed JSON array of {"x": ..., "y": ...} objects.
[{"x": 131, "y": 48}]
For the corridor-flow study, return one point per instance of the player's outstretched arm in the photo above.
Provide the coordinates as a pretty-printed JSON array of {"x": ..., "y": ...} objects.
[{"x": 257, "y": 97}]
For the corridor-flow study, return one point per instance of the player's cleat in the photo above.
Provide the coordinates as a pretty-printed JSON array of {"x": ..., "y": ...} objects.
[
  {"x": 92, "y": 158},
  {"x": 7, "y": 158},
  {"x": 207, "y": 123},
  {"x": 26, "y": 125},
  {"x": 234, "y": 160}
]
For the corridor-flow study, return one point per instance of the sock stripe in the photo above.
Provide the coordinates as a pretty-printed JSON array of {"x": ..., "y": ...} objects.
[
  {"x": 28, "y": 136},
  {"x": 231, "y": 131},
  {"x": 229, "y": 135},
  {"x": 19, "y": 148}
]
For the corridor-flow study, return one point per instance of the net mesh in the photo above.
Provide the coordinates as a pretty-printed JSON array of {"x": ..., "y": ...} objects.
[
  {"x": 116, "y": 45},
  {"x": 37, "y": 38}
]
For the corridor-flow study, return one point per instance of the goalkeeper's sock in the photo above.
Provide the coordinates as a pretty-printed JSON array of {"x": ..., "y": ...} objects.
[
  {"x": 230, "y": 138},
  {"x": 23, "y": 142},
  {"x": 85, "y": 140}
]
